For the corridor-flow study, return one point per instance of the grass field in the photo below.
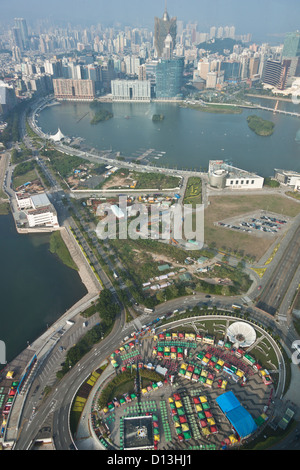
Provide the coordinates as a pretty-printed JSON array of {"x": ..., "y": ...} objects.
[
  {"x": 22, "y": 179},
  {"x": 193, "y": 192},
  {"x": 58, "y": 246},
  {"x": 216, "y": 109},
  {"x": 222, "y": 207}
]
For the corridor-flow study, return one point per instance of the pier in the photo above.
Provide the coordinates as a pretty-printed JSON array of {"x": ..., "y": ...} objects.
[{"x": 280, "y": 111}]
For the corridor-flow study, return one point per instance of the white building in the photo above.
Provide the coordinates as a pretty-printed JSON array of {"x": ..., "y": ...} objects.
[
  {"x": 288, "y": 178},
  {"x": 131, "y": 90},
  {"x": 38, "y": 208},
  {"x": 222, "y": 175},
  {"x": 23, "y": 200},
  {"x": 43, "y": 216}
]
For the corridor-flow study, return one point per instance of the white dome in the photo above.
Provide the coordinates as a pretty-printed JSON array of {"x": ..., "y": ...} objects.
[{"x": 241, "y": 334}]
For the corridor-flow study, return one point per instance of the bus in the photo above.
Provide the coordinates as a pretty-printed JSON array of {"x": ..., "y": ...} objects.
[
  {"x": 236, "y": 307},
  {"x": 148, "y": 310}
]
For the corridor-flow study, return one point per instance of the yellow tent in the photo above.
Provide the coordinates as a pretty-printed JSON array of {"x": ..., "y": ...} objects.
[{"x": 205, "y": 431}]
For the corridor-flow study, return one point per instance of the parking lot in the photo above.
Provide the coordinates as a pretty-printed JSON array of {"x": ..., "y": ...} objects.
[{"x": 260, "y": 224}]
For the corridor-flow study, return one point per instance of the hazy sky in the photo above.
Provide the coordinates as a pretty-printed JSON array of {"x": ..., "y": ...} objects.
[{"x": 259, "y": 17}]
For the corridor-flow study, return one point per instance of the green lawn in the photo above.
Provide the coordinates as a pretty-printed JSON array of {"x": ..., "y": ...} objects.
[
  {"x": 193, "y": 192},
  {"x": 57, "y": 245},
  {"x": 22, "y": 179}
]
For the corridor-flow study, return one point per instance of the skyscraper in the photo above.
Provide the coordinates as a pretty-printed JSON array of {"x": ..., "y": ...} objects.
[
  {"x": 291, "y": 46},
  {"x": 162, "y": 27},
  {"x": 21, "y": 24},
  {"x": 169, "y": 75}
]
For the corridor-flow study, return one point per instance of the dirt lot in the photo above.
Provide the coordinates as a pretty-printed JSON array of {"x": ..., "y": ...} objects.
[
  {"x": 118, "y": 180},
  {"x": 222, "y": 207}
]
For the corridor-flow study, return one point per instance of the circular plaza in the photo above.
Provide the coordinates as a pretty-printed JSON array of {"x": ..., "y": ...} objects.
[{"x": 205, "y": 382}]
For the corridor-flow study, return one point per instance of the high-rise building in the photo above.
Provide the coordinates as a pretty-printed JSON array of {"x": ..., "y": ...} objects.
[
  {"x": 273, "y": 73},
  {"x": 169, "y": 74},
  {"x": 168, "y": 47},
  {"x": 21, "y": 24},
  {"x": 8, "y": 98},
  {"x": 212, "y": 32},
  {"x": 77, "y": 90},
  {"x": 162, "y": 27},
  {"x": 131, "y": 90},
  {"x": 291, "y": 57},
  {"x": 291, "y": 47},
  {"x": 17, "y": 39},
  {"x": 253, "y": 66}
]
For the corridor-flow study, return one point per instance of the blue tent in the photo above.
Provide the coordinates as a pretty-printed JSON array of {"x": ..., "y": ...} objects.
[{"x": 238, "y": 416}]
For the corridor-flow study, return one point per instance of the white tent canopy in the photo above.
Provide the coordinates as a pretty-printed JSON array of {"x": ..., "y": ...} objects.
[
  {"x": 58, "y": 136},
  {"x": 241, "y": 334}
]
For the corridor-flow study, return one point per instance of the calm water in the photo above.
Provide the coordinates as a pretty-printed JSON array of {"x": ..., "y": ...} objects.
[
  {"x": 36, "y": 287},
  {"x": 189, "y": 137}
]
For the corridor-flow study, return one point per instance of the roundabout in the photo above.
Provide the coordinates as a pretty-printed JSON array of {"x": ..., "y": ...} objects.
[{"x": 182, "y": 384}]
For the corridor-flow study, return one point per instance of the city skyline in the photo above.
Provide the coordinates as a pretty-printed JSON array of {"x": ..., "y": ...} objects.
[{"x": 282, "y": 16}]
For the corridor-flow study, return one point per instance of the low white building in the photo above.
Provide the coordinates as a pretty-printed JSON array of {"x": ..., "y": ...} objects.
[
  {"x": 39, "y": 210},
  {"x": 43, "y": 216},
  {"x": 222, "y": 175},
  {"x": 288, "y": 178}
]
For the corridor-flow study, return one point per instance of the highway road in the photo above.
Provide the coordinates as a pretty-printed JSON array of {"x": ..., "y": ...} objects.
[{"x": 274, "y": 291}]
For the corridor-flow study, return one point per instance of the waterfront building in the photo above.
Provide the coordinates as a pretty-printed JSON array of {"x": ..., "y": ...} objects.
[
  {"x": 288, "y": 178},
  {"x": 41, "y": 211},
  {"x": 131, "y": 90},
  {"x": 45, "y": 216},
  {"x": 273, "y": 73},
  {"x": 169, "y": 78},
  {"x": 222, "y": 175},
  {"x": 24, "y": 200},
  {"x": 162, "y": 27},
  {"x": 74, "y": 90},
  {"x": 38, "y": 209}
]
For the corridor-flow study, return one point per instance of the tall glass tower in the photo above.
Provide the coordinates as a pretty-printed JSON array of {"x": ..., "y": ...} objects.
[
  {"x": 291, "y": 46},
  {"x": 162, "y": 27},
  {"x": 169, "y": 74},
  {"x": 20, "y": 23}
]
